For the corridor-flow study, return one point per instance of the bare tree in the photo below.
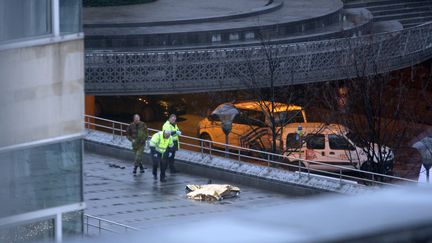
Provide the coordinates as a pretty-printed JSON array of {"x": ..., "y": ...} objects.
[
  {"x": 261, "y": 75},
  {"x": 374, "y": 106},
  {"x": 423, "y": 77}
]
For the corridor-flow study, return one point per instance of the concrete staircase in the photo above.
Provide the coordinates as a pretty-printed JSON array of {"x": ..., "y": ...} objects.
[{"x": 408, "y": 12}]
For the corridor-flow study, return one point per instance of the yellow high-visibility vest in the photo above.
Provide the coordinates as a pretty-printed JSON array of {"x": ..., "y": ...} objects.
[
  {"x": 168, "y": 126},
  {"x": 160, "y": 143}
]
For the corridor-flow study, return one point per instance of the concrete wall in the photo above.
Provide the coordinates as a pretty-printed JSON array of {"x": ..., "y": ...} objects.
[{"x": 41, "y": 93}]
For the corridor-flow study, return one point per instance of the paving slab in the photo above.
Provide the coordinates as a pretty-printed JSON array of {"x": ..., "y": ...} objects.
[{"x": 140, "y": 201}]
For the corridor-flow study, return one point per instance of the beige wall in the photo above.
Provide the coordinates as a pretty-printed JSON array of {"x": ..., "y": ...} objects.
[{"x": 41, "y": 92}]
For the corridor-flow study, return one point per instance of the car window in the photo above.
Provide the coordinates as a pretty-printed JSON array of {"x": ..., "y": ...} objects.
[
  {"x": 285, "y": 117},
  {"x": 250, "y": 117},
  {"x": 213, "y": 117},
  {"x": 280, "y": 117},
  {"x": 315, "y": 141},
  {"x": 357, "y": 140},
  {"x": 295, "y": 116},
  {"x": 239, "y": 119},
  {"x": 339, "y": 143},
  {"x": 293, "y": 141}
]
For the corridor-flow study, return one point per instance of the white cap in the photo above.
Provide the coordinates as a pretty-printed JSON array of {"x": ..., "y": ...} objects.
[{"x": 167, "y": 132}]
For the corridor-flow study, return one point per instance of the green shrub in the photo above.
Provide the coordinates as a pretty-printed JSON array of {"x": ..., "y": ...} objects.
[{"x": 100, "y": 3}]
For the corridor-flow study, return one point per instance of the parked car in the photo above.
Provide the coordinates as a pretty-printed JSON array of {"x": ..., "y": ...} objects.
[
  {"x": 149, "y": 107},
  {"x": 250, "y": 124},
  {"x": 330, "y": 144}
]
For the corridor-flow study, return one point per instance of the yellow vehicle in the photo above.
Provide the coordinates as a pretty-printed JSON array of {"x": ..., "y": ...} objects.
[{"x": 251, "y": 123}]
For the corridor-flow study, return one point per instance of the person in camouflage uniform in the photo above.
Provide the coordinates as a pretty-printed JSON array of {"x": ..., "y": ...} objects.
[{"x": 137, "y": 133}]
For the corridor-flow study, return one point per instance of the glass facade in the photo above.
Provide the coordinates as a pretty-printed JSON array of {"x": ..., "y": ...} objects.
[
  {"x": 72, "y": 224},
  {"x": 22, "y": 19},
  {"x": 42, "y": 231},
  {"x": 41, "y": 177},
  {"x": 47, "y": 175},
  {"x": 29, "y": 19},
  {"x": 70, "y": 16}
]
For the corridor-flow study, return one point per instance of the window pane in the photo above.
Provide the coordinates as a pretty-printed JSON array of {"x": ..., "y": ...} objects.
[
  {"x": 70, "y": 16},
  {"x": 280, "y": 117},
  {"x": 239, "y": 119},
  {"x": 295, "y": 116},
  {"x": 357, "y": 140},
  {"x": 22, "y": 19},
  {"x": 250, "y": 117},
  {"x": 214, "y": 117},
  {"x": 42, "y": 231},
  {"x": 293, "y": 141},
  {"x": 289, "y": 117},
  {"x": 339, "y": 143},
  {"x": 41, "y": 177},
  {"x": 315, "y": 141},
  {"x": 72, "y": 224}
]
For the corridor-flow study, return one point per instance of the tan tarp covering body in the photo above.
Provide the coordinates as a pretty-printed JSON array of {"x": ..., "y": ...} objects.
[{"x": 211, "y": 192}]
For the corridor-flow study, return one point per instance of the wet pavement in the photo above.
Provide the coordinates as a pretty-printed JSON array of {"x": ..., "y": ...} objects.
[{"x": 140, "y": 201}]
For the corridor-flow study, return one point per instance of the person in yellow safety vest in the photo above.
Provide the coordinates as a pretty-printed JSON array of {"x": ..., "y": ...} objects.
[
  {"x": 161, "y": 145},
  {"x": 171, "y": 125}
]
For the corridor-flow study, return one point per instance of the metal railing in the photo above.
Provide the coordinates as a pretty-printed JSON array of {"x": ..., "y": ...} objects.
[
  {"x": 210, "y": 148},
  {"x": 96, "y": 226},
  {"x": 183, "y": 71}
]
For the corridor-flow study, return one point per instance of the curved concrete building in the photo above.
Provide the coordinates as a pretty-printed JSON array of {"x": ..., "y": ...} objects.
[{"x": 156, "y": 48}]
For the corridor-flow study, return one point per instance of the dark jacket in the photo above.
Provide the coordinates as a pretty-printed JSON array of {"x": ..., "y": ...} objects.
[{"x": 137, "y": 132}]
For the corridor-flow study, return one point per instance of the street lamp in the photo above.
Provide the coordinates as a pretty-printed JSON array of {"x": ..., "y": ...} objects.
[
  {"x": 424, "y": 146},
  {"x": 226, "y": 113},
  {"x": 299, "y": 136}
]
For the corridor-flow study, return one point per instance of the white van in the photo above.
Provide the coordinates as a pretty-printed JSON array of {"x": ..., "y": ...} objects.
[
  {"x": 329, "y": 144},
  {"x": 251, "y": 123}
]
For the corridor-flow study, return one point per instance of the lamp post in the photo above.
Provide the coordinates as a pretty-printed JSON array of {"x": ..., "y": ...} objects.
[
  {"x": 424, "y": 146},
  {"x": 226, "y": 113},
  {"x": 299, "y": 136}
]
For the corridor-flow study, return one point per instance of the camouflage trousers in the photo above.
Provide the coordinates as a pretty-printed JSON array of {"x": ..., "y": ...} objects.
[{"x": 139, "y": 151}]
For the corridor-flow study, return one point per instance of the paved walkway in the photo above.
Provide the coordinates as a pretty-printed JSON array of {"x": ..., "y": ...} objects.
[{"x": 140, "y": 201}]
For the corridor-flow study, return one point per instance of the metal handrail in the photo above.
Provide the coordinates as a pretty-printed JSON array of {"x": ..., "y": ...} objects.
[
  {"x": 333, "y": 41},
  {"x": 101, "y": 221},
  {"x": 331, "y": 59},
  {"x": 266, "y": 155}
]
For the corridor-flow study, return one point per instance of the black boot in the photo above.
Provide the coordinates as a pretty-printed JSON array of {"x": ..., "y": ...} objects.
[
  {"x": 141, "y": 169},
  {"x": 135, "y": 170},
  {"x": 162, "y": 179},
  {"x": 172, "y": 169}
]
